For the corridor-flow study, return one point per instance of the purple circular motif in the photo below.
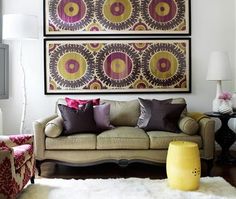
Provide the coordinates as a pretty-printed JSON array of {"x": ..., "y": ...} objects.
[
  {"x": 162, "y": 15},
  {"x": 72, "y": 66},
  {"x": 117, "y": 8},
  {"x": 71, "y": 17},
  {"x": 163, "y": 65},
  {"x": 94, "y": 29},
  {"x": 124, "y": 59},
  {"x": 94, "y": 45}
]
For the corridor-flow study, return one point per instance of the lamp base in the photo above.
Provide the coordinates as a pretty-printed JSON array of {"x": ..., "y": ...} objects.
[{"x": 216, "y": 104}]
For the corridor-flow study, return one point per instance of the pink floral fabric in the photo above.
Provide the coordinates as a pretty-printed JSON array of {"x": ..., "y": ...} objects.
[
  {"x": 17, "y": 164},
  {"x": 21, "y": 154}
]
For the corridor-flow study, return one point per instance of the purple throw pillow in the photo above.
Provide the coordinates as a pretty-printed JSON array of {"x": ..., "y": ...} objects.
[
  {"x": 78, "y": 121},
  {"x": 159, "y": 115},
  {"x": 102, "y": 116}
]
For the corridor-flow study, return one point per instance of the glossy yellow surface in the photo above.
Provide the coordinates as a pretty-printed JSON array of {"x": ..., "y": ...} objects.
[{"x": 183, "y": 165}]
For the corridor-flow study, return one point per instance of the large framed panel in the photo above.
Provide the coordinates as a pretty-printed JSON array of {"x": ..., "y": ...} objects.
[
  {"x": 117, "y": 66},
  {"x": 117, "y": 17}
]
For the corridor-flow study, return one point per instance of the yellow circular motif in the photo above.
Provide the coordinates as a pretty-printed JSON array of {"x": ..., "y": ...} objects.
[
  {"x": 117, "y": 18},
  {"x": 162, "y": 9},
  {"x": 165, "y": 73},
  {"x": 118, "y": 66},
  {"x": 71, "y": 9},
  {"x": 95, "y": 86},
  {"x": 62, "y": 66}
]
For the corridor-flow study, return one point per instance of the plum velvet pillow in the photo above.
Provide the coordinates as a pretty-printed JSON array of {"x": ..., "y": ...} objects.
[
  {"x": 78, "y": 121},
  {"x": 74, "y": 103},
  {"x": 159, "y": 116},
  {"x": 102, "y": 116}
]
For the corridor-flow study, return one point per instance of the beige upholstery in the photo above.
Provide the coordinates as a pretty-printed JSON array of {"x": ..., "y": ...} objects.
[
  {"x": 188, "y": 125},
  {"x": 124, "y": 142},
  {"x": 54, "y": 127},
  {"x": 124, "y": 113},
  {"x": 123, "y": 138},
  {"x": 77, "y": 141},
  {"x": 161, "y": 139}
]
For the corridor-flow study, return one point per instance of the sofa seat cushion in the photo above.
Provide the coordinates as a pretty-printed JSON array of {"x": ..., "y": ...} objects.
[
  {"x": 123, "y": 138},
  {"x": 22, "y": 153},
  {"x": 161, "y": 139},
  {"x": 76, "y": 141}
]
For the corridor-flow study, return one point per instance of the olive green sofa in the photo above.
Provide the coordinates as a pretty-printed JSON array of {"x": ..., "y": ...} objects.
[{"x": 122, "y": 145}]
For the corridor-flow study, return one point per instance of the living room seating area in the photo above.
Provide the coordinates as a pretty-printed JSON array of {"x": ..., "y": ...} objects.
[{"x": 121, "y": 140}]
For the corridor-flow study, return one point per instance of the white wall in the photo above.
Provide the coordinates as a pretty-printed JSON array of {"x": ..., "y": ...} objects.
[{"x": 213, "y": 27}]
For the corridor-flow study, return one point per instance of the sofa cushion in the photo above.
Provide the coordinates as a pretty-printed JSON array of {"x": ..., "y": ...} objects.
[
  {"x": 124, "y": 113},
  {"x": 78, "y": 121},
  {"x": 188, "y": 125},
  {"x": 161, "y": 139},
  {"x": 123, "y": 138},
  {"x": 77, "y": 141},
  {"x": 54, "y": 127},
  {"x": 159, "y": 115}
]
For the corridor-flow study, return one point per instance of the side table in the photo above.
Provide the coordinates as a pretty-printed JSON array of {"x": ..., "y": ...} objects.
[{"x": 225, "y": 137}]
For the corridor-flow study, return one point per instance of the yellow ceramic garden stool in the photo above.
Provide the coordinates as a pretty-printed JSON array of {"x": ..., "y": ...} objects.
[{"x": 183, "y": 165}]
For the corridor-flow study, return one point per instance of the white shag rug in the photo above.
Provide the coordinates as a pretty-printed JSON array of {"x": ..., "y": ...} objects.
[{"x": 131, "y": 188}]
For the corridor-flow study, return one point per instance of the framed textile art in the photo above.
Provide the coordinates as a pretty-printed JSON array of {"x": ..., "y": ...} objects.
[
  {"x": 117, "y": 66},
  {"x": 114, "y": 17}
]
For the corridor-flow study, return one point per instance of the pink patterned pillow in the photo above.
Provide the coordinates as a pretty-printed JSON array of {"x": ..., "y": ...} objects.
[{"x": 74, "y": 103}]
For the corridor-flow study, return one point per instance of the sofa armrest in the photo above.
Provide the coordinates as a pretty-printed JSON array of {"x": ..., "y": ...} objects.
[
  {"x": 207, "y": 132},
  {"x": 39, "y": 135}
]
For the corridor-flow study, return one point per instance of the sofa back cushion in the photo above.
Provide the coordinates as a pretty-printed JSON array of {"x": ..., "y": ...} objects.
[{"x": 123, "y": 113}]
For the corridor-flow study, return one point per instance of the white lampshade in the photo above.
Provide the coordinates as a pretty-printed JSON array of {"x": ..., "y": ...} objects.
[
  {"x": 20, "y": 27},
  {"x": 219, "y": 66}
]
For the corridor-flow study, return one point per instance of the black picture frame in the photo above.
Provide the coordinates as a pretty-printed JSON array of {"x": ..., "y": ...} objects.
[
  {"x": 116, "y": 33},
  {"x": 68, "y": 41}
]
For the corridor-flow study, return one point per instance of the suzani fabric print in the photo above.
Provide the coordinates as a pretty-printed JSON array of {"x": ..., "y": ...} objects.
[
  {"x": 80, "y": 66},
  {"x": 117, "y": 17}
]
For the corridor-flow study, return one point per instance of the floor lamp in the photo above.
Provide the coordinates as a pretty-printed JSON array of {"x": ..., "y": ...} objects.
[{"x": 20, "y": 27}]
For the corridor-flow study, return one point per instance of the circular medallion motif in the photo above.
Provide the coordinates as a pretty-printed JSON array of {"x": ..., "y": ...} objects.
[
  {"x": 163, "y": 14},
  {"x": 117, "y": 65},
  {"x": 71, "y": 14},
  {"x": 94, "y": 27},
  {"x": 141, "y": 84},
  {"x": 94, "y": 47},
  {"x": 52, "y": 85},
  {"x": 140, "y": 27},
  {"x": 71, "y": 65},
  {"x": 95, "y": 85},
  {"x": 163, "y": 64},
  {"x": 117, "y": 14}
]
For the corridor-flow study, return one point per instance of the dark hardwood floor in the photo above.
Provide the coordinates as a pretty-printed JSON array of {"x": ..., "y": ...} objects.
[{"x": 110, "y": 170}]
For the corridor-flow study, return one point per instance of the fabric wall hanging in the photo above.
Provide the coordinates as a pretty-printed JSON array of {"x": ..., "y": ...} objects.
[
  {"x": 117, "y": 66},
  {"x": 114, "y": 17}
]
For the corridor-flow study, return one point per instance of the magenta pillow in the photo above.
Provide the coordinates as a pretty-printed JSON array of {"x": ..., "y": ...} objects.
[
  {"x": 74, "y": 103},
  {"x": 102, "y": 116}
]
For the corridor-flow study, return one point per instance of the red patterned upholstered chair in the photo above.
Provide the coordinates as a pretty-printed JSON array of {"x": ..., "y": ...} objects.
[{"x": 17, "y": 164}]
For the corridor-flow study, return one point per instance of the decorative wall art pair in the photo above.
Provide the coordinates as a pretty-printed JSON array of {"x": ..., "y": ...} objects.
[{"x": 112, "y": 46}]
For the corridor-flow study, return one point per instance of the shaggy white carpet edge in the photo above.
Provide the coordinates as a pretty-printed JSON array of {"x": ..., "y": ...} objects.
[{"x": 130, "y": 188}]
